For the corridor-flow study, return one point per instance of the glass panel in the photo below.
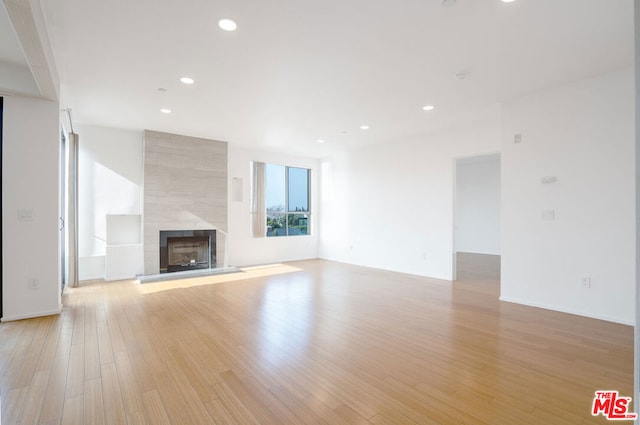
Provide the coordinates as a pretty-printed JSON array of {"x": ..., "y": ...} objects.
[
  {"x": 275, "y": 200},
  {"x": 275, "y": 188},
  {"x": 298, "y": 189},
  {"x": 298, "y": 224},
  {"x": 276, "y": 224},
  {"x": 188, "y": 252}
]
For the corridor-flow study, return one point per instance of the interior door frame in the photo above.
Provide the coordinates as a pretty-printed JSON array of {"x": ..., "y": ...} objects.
[
  {"x": 63, "y": 210},
  {"x": 1, "y": 207}
]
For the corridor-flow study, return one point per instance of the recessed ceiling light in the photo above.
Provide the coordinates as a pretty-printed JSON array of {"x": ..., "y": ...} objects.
[
  {"x": 344, "y": 132},
  {"x": 508, "y": 1},
  {"x": 165, "y": 111},
  {"x": 428, "y": 108},
  {"x": 187, "y": 80},
  {"x": 364, "y": 127},
  {"x": 321, "y": 141},
  {"x": 227, "y": 24}
]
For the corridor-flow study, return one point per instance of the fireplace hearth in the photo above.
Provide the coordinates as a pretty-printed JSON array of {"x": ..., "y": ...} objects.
[{"x": 183, "y": 250}]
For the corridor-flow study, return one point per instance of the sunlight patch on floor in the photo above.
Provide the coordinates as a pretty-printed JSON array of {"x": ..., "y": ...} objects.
[{"x": 245, "y": 273}]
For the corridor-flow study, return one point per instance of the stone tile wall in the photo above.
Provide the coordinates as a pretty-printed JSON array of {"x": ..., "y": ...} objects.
[{"x": 185, "y": 187}]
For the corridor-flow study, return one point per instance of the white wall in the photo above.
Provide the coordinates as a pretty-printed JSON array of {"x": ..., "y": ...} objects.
[
  {"x": 17, "y": 77},
  {"x": 244, "y": 249},
  {"x": 109, "y": 182},
  {"x": 391, "y": 206},
  {"x": 477, "y": 227},
  {"x": 30, "y": 168},
  {"x": 111, "y": 169},
  {"x": 583, "y": 134}
]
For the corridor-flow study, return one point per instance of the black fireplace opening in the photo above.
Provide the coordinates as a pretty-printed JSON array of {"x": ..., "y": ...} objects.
[{"x": 184, "y": 250}]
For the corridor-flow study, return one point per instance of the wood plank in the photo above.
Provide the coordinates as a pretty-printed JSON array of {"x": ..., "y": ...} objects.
[
  {"x": 93, "y": 403},
  {"x": 351, "y": 416},
  {"x": 181, "y": 401},
  {"x": 251, "y": 398},
  {"x": 154, "y": 408},
  {"x": 91, "y": 355},
  {"x": 53, "y": 403},
  {"x": 104, "y": 343},
  {"x": 75, "y": 374},
  {"x": 73, "y": 411},
  {"x": 233, "y": 406},
  {"x": 126, "y": 378},
  {"x": 13, "y": 404},
  {"x": 35, "y": 398},
  {"x": 303, "y": 413},
  {"x": 112, "y": 396}
]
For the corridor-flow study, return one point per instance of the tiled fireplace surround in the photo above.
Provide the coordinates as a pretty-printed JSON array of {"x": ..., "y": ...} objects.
[{"x": 185, "y": 188}]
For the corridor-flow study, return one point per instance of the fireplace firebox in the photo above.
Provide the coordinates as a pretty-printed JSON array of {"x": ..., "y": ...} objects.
[{"x": 183, "y": 250}]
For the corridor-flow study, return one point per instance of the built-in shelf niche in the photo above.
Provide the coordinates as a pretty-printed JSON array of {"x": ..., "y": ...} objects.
[
  {"x": 124, "y": 254},
  {"x": 124, "y": 229}
]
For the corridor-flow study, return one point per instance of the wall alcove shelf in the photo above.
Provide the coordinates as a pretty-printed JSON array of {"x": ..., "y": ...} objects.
[{"x": 124, "y": 253}]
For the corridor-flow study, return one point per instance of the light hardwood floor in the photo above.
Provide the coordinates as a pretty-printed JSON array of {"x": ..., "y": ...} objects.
[
  {"x": 308, "y": 342},
  {"x": 471, "y": 266}
]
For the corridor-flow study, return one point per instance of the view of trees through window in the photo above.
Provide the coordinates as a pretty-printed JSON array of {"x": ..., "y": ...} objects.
[{"x": 287, "y": 200}]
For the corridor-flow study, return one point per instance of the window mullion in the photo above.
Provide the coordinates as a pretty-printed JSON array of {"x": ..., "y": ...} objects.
[{"x": 286, "y": 200}]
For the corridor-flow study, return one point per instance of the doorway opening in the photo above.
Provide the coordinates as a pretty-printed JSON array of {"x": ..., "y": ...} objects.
[{"x": 476, "y": 233}]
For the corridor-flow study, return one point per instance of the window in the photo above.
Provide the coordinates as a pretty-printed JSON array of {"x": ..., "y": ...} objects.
[{"x": 286, "y": 200}]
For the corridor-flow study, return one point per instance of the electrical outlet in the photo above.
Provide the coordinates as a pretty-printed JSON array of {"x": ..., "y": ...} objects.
[
  {"x": 33, "y": 283},
  {"x": 585, "y": 282}
]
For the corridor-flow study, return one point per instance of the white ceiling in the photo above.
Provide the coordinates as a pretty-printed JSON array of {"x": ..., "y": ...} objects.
[
  {"x": 9, "y": 46},
  {"x": 15, "y": 76},
  {"x": 298, "y": 71}
]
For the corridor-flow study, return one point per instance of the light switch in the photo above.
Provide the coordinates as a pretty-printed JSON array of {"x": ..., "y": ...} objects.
[
  {"x": 548, "y": 215},
  {"x": 25, "y": 215},
  {"x": 548, "y": 179},
  {"x": 236, "y": 189}
]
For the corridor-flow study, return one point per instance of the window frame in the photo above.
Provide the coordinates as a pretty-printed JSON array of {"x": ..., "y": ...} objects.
[{"x": 286, "y": 212}]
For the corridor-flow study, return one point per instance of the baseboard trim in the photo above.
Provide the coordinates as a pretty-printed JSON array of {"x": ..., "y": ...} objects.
[
  {"x": 32, "y": 315},
  {"x": 567, "y": 310}
]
